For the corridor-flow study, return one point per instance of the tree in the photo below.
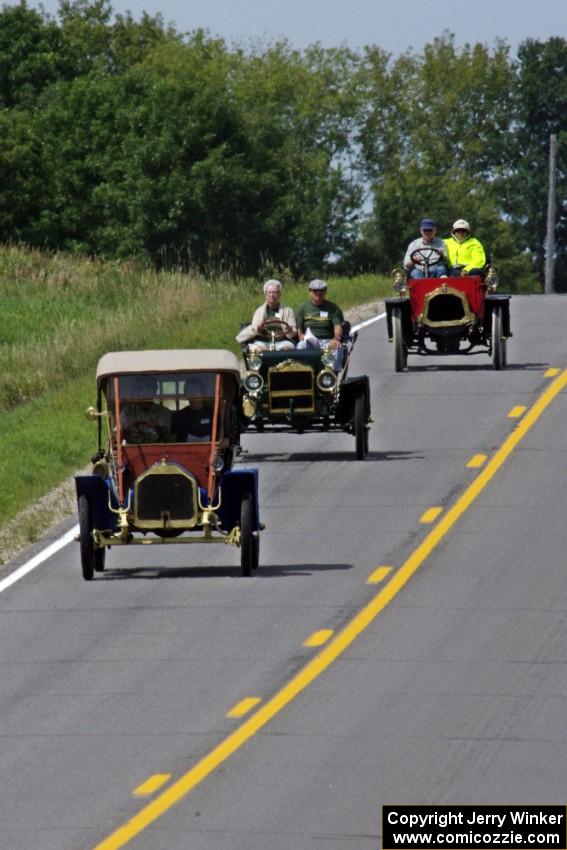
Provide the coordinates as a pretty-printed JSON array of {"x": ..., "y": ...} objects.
[
  {"x": 540, "y": 99},
  {"x": 30, "y": 55},
  {"x": 22, "y": 189},
  {"x": 432, "y": 139}
]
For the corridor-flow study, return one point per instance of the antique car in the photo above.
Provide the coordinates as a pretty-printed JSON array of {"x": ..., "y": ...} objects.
[
  {"x": 447, "y": 315},
  {"x": 299, "y": 390},
  {"x": 168, "y": 429}
]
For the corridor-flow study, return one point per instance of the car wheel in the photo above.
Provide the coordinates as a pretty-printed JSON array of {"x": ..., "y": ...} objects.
[
  {"x": 86, "y": 539},
  {"x": 360, "y": 429},
  {"x": 498, "y": 341},
  {"x": 249, "y": 542},
  {"x": 400, "y": 351}
]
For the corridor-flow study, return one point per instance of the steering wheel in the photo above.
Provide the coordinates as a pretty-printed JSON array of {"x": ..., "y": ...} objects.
[
  {"x": 426, "y": 256},
  {"x": 277, "y": 327},
  {"x": 144, "y": 432}
]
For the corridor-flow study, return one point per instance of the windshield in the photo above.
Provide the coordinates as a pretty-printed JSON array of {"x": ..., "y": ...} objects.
[{"x": 174, "y": 407}]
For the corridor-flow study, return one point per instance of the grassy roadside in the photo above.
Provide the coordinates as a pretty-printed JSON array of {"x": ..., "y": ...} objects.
[{"x": 62, "y": 316}]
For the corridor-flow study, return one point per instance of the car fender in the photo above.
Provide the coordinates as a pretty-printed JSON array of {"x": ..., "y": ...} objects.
[
  {"x": 404, "y": 305},
  {"x": 235, "y": 484},
  {"x": 98, "y": 491},
  {"x": 491, "y": 301},
  {"x": 350, "y": 390}
]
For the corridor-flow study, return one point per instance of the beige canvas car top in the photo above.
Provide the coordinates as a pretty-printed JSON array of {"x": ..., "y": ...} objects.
[{"x": 171, "y": 360}]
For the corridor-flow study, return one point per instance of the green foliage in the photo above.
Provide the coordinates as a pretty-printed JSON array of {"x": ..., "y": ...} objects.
[
  {"x": 440, "y": 151},
  {"x": 540, "y": 95},
  {"x": 30, "y": 55},
  {"x": 125, "y": 138},
  {"x": 178, "y": 149}
]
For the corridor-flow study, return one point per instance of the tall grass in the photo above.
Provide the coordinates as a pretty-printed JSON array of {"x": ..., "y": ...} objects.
[{"x": 60, "y": 314}]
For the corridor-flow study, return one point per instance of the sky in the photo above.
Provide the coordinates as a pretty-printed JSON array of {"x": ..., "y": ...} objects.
[{"x": 395, "y": 26}]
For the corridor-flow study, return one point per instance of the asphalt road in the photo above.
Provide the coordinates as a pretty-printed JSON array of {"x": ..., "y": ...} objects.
[{"x": 453, "y": 690}]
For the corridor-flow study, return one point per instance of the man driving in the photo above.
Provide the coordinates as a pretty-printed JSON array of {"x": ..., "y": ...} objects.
[
  {"x": 272, "y": 324},
  {"x": 426, "y": 255},
  {"x": 141, "y": 419}
]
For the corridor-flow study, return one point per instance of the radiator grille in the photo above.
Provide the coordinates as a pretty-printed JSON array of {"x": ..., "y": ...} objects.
[
  {"x": 287, "y": 381},
  {"x": 291, "y": 388},
  {"x": 165, "y": 498},
  {"x": 445, "y": 308}
]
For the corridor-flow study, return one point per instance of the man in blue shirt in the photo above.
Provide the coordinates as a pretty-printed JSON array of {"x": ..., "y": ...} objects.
[{"x": 417, "y": 264}]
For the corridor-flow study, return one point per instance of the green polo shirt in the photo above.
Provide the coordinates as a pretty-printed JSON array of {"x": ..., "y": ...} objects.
[{"x": 321, "y": 319}]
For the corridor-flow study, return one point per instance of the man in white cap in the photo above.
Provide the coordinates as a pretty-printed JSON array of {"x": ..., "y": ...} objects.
[
  {"x": 466, "y": 254},
  {"x": 320, "y": 322},
  {"x": 284, "y": 325}
]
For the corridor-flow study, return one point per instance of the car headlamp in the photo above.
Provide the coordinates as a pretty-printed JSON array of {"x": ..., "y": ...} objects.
[
  {"x": 328, "y": 357},
  {"x": 326, "y": 380},
  {"x": 255, "y": 362},
  {"x": 218, "y": 464},
  {"x": 253, "y": 382}
]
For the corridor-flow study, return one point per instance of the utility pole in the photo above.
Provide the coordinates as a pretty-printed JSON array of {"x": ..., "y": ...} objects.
[{"x": 550, "y": 238}]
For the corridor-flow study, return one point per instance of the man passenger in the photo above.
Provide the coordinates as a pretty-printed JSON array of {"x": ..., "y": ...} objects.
[
  {"x": 466, "y": 254},
  {"x": 320, "y": 323}
]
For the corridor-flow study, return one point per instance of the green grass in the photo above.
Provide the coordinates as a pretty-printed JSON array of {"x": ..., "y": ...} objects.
[{"x": 60, "y": 314}]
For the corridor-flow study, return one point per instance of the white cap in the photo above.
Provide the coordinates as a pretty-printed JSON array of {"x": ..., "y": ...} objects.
[
  {"x": 317, "y": 285},
  {"x": 461, "y": 224}
]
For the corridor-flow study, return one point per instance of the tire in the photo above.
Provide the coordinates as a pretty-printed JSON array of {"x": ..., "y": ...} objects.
[
  {"x": 249, "y": 542},
  {"x": 400, "y": 351},
  {"x": 86, "y": 539},
  {"x": 498, "y": 341},
  {"x": 360, "y": 429}
]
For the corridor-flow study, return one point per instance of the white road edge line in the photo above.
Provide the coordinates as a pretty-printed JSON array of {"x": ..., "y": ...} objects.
[
  {"x": 368, "y": 322},
  {"x": 70, "y": 535},
  {"x": 38, "y": 559}
]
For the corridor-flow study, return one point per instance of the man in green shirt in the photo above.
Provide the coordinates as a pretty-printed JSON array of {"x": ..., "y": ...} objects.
[{"x": 320, "y": 323}]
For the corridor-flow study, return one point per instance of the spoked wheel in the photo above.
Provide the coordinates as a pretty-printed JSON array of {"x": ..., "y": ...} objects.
[
  {"x": 360, "y": 429},
  {"x": 498, "y": 341},
  {"x": 249, "y": 542},
  {"x": 86, "y": 539},
  {"x": 400, "y": 351}
]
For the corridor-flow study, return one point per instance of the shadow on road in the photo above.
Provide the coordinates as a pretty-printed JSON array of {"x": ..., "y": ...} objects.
[
  {"x": 476, "y": 367},
  {"x": 265, "y": 571},
  {"x": 322, "y": 457}
]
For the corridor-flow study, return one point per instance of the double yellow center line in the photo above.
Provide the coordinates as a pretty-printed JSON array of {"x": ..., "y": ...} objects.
[{"x": 179, "y": 789}]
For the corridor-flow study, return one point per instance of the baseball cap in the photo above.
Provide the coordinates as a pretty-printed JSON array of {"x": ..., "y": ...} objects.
[
  {"x": 317, "y": 284},
  {"x": 461, "y": 224},
  {"x": 427, "y": 224}
]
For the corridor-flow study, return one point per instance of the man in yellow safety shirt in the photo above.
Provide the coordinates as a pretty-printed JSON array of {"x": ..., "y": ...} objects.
[{"x": 466, "y": 254}]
